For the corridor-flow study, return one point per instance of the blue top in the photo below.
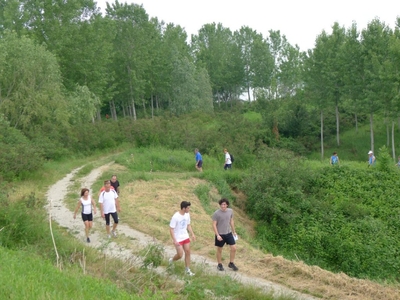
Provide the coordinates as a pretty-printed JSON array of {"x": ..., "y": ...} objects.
[
  {"x": 334, "y": 159},
  {"x": 198, "y": 156},
  {"x": 372, "y": 160}
]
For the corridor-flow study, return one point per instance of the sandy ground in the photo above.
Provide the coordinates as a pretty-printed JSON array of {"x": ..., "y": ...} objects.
[{"x": 99, "y": 240}]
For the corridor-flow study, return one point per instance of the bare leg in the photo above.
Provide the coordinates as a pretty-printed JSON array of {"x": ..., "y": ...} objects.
[
  {"x": 219, "y": 255},
  {"x": 232, "y": 253},
  {"x": 186, "y": 247},
  {"x": 179, "y": 253}
]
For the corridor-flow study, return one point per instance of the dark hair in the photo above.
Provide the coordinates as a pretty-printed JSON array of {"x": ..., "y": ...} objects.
[
  {"x": 106, "y": 181},
  {"x": 334, "y": 153},
  {"x": 83, "y": 191},
  {"x": 185, "y": 204},
  {"x": 223, "y": 200}
]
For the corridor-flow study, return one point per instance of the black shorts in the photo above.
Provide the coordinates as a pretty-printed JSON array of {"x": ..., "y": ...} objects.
[
  {"x": 114, "y": 216},
  {"x": 200, "y": 163},
  {"x": 87, "y": 217},
  {"x": 228, "y": 166},
  {"x": 226, "y": 238}
]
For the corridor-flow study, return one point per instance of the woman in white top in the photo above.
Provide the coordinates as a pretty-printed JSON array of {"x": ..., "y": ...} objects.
[{"x": 86, "y": 202}]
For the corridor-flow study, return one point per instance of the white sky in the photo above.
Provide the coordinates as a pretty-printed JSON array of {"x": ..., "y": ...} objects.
[{"x": 299, "y": 20}]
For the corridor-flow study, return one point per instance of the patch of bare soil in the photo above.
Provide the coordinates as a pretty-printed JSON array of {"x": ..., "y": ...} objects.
[{"x": 146, "y": 210}]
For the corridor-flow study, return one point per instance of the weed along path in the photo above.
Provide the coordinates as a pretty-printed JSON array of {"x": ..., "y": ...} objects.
[{"x": 255, "y": 268}]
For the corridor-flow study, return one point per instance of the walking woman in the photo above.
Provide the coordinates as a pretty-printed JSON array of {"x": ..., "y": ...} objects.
[{"x": 86, "y": 202}]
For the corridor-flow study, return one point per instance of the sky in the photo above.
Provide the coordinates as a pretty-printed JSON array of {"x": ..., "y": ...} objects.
[{"x": 301, "y": 21}]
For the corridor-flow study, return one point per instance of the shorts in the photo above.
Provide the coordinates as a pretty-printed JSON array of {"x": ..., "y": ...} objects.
[
  {"x": 227, "y": 166},
  {"x": 87, "y": 217},
  {"x": 199, "y": 163},
  {"x": 114, "y": 216},
  {"x": 226, "y": 238},
  {"x": 187, "y": 241}
]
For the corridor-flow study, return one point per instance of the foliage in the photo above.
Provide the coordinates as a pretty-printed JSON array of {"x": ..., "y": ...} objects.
[
  {"x": 152, "y": 255},
  {"x": 342, "y": 219},
  {"x": 18, "y": 155}
]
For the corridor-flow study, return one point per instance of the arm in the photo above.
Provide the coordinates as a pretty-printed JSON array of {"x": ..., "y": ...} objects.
[
  {"x": 232, "y": 223},
  {"x": 102, "y": 210},
  {"x": 189, "y": 227},
  {"x": 117, "y": 204},
  {"x": 94, "y": 206},
  {"x": 172, "y": 233},
  {"x": 76, "y": 208},
  {"x": 219, "y": 238}
]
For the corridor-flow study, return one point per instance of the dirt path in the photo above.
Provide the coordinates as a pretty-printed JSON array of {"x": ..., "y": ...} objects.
[{"x": 64, "y": 217}]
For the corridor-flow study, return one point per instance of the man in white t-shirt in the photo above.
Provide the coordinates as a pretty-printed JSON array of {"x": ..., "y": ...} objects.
[
  {"x": 178, "y": 228},
  {"x": 109, "y": 205}
]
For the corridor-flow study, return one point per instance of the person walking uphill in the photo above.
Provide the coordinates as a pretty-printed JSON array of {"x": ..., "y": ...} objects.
[
  {"x": 334, "y": 161},
  {"x": 87, "y": 203},
  {"x": 228, "y": 161},
  {"x": 371, "y": 158},
  {"x": 199, "y": 160},
  {"x": 178, "y": 229},
  {"x": 109, "y": 205},
  {"x": 224, "y": 229}
]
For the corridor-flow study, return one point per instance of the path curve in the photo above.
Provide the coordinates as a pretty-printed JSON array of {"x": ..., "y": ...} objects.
[{"x": 64, "y": 217}]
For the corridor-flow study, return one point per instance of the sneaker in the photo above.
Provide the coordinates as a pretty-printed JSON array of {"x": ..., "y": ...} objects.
[
  {"x": 88, "y": 240},
  {"x": 220, "y": 267},
  {"x": 190, "y": 273},
  {"x": 232, "y": 266},
  {"x": 109, "y": 236},
  {"x": 114, "y": 233}
]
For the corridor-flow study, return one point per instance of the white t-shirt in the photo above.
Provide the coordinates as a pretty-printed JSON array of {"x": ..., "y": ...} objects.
[
  {"x": 179, "y": 223},
  {"x": 108, "y": 200},
  {"x": 228, "y": 158},
  {"x": 86, "y": 206}
]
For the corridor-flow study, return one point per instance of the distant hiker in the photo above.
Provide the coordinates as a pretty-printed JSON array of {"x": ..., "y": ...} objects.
[
  {"x": 199, "y": 160},
  {"x": 178, "y": 229},
  {"x": 372, "y": 159},
  {"x": 109, "y": 205},
  {"x": 87, "y": 203},
  {"x": 334, "y": 159},
  {"x": 398, "y": 163},
  {"x": 115, "y": 183},
  {"x": 224, "y": 230},
  {"x": 228, "y": 161}
]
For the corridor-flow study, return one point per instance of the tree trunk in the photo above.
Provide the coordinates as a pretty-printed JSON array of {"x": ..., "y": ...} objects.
[
  {"x": 133, "y": 109},
  {"x": 371, "y": 124},
  {"x": 337, "y": 126},
  {"x": 322, "y": 135},
  {"x": 152, "y": 107},
  {"x": 387, "y": 135},
  {"x": 356, "y": 119},
  {"x": 393, "y": 148}
]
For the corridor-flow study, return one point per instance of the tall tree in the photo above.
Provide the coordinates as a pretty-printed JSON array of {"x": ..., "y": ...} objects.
[
  {"x": 315, "y": 82},
  {"x": 30, "y": 85},
  {"x": 131, "y": 59},
  {"x": 216, "y": 51},
  {"x": 375, "y": 42},
  {"x": 353, "y": 73}
]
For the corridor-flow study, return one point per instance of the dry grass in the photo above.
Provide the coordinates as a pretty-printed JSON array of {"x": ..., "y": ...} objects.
[{"x": 148, "y": 206}]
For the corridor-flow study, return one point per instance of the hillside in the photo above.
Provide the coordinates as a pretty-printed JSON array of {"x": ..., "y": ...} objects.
[{"x": 148, "y": 205}]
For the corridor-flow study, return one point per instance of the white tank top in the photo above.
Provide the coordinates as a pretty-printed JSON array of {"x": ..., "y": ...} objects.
[{"x": 86, "y": 206}]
